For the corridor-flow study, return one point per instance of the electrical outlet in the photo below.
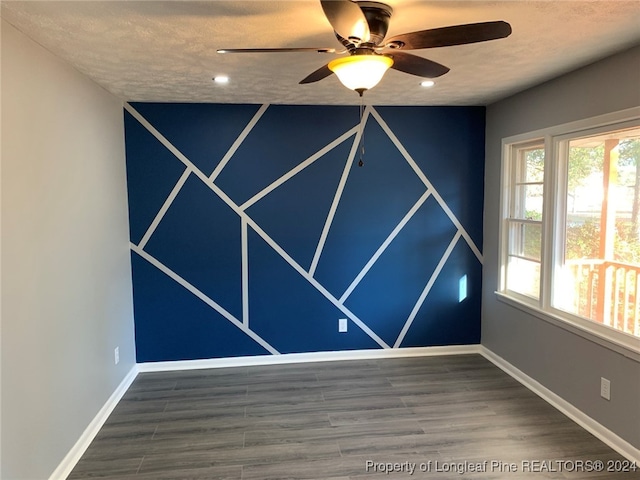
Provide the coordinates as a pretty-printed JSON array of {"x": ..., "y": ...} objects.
[
  {"x": 116, "y": 355},
  {"x": 605, "y": 388},
  {"x": 342, "y": 325}
]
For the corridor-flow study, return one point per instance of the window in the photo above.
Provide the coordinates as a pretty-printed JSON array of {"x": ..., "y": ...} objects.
[
  {"x": 570, "y": 240},
  {"x": 525, "y": 220}
]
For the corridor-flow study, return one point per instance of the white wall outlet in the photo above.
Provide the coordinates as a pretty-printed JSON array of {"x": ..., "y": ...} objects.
[
  {"x": 605, "y": 388},
  {"x": 116, "y": 355},
  {"x": 342, "y": 325}
]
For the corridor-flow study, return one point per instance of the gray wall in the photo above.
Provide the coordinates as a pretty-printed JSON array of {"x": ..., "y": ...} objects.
[
  {"x": 66, "y": 282},
  {"x": 568, "y": 364}
]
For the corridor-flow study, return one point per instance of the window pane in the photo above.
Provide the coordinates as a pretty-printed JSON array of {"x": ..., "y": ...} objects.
[
  {"x": 534, "y": 165},
  {"x": 626, "y": 244},
  {"x": 601, "y": 267},
  {"x": 527, "y": 189},
  {"x": 529, "y": 202},
  {"x": 523, "y": 276},
  {"x": 523, "y": 264},
  {"x": 525, "y": 240}
]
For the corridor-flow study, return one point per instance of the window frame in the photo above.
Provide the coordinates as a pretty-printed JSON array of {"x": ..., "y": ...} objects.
[{"x": 555, "y": 139}]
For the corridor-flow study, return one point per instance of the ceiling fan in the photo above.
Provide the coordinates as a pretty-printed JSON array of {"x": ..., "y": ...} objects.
[{"x": 361, "y": 28}]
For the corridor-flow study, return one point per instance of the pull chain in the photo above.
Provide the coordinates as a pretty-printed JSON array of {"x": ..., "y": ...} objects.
[{"x": 361, "y": 163}]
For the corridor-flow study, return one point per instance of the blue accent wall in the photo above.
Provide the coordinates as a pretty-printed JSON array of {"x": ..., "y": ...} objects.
[{"x": 254, "y": 230}]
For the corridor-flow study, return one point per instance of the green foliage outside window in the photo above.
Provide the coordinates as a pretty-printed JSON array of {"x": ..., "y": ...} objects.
[{"x": 583, "y": 237}]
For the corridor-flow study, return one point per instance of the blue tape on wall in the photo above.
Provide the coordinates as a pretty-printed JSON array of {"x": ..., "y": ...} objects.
[{"x": 254, "y": 230}]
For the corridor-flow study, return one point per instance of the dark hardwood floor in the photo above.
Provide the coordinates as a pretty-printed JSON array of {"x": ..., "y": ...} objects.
[{"x": 443, "y": 416}]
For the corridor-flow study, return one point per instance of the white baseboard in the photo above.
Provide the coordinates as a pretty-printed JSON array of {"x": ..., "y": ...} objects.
[
  {"x": 71, "y": 459},
  {"x": 619, "y": 444},
  {"x": 307, "y": 357}
]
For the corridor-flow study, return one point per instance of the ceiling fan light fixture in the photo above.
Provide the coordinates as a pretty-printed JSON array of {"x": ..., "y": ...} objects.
[{"x": 360, "y": 72}]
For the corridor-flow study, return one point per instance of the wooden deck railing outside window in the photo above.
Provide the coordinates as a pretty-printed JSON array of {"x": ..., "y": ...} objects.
[{"x": 608, "y": 292}]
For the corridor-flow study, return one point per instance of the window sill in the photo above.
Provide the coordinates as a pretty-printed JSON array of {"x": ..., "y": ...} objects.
[{"x": 619, "y": 342}]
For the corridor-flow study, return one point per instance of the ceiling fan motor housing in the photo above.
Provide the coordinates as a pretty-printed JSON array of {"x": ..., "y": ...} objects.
[{"x": 377, "y": 15}]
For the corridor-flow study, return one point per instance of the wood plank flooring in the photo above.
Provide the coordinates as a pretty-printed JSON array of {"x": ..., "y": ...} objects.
[{"x": 341, "y": 421}]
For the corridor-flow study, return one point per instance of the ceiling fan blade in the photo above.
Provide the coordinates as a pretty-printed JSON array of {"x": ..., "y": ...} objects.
[
  {"x": 448, "y": 36},
  {"x": 321, "y": 73},
  {"x": 346, "y": 18},
  {"x": 415, "y": 65},
  {"x": 276, "y": 50},
  {"x": 345, "y": 42}
]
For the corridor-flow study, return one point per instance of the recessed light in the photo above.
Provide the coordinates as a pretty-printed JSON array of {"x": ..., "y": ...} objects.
[
  {"x": 221, "y": 79},
  {"x": 427, "y": 83}
]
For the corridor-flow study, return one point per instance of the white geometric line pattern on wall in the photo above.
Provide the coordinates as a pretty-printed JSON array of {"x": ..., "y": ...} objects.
[
  {"x": 426, "y": 181},
  {"x": 165, "y": 206},
  {"x": 425, "y": 292},
  {"x": 303, "y": 273},
  {"x": 338, "y": 195},
  {"x": 247, "y": 221},
  {"x": 163, "y": 140},
  {"x": 245, "y": 272},
  {"x": 384, "y": 245},
  {"x": 317, "y": 285},
  {"x": 238, "y": 142},
  {"x": 181, "y": 281},
  {"x": 291, "y": 173},
  {"x": 244, "y": 217}
]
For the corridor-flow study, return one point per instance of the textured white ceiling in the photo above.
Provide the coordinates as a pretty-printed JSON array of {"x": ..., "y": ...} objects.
[{"x": 166, "y": 51}]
